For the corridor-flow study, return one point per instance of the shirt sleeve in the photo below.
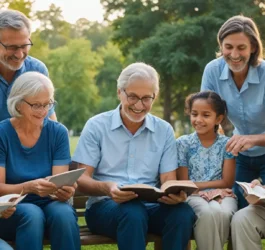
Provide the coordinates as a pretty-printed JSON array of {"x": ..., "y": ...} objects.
[
  {"x": 207, "y": 79},
  {"x": 62, "y": 148},
  {"x": 168, "y": 161},
  {"x": 88, "y": 148},
  {"x": 182, "y": 152}
]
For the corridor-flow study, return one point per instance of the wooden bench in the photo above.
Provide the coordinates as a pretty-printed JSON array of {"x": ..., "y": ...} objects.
[{"x": 88, "y": 238}]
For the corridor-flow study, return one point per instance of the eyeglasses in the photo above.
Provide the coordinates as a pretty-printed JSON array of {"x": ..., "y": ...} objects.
[
  {"x": 14, "y": 48},
  {"x": 40, "y": 107},
  {"x": 133, "y": 99}
]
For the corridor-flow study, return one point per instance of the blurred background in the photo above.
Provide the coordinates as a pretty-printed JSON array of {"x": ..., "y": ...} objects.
[{"x": 86, "y": 43}]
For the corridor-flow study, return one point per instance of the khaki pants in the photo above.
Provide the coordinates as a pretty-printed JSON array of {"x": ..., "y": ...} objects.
[
  {"x": 248, "y": 227},
  {"x": 211, "y": 229}
]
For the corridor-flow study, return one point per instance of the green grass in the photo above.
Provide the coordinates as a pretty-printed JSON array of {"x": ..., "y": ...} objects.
[{"x": 73, "y": 143}]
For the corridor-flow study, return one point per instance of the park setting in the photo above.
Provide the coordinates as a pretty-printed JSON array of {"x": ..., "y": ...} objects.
[{"x": 144, "y": 96}]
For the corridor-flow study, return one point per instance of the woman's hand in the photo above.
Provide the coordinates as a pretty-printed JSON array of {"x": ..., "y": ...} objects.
[
  {"x": 173, "y": 199},
  {"x": 8, "y": 212},
  {"x": 40, "y": 187},
  {"x": 64, "y": 193}
]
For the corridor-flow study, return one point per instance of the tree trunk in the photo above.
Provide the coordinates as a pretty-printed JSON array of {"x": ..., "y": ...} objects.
[{"x": 167, "y": 100}]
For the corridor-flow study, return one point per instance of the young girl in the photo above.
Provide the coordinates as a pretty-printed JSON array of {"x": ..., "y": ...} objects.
[{"x": 203, "y": 159}]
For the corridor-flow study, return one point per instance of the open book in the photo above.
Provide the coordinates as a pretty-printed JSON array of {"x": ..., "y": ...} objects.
[
  {"x": 152, "y": 194},
  {"x": 10, "y": 200},
  {"x": 67, "y": 178},
  {"x": 255, "y": 195}
]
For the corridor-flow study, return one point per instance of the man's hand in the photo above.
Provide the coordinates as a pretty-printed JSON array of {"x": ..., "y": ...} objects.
[
  {"x": 119, "y": 196},
  {"x": 173, "y": 199},
  {"x": 240, "y": 143}
]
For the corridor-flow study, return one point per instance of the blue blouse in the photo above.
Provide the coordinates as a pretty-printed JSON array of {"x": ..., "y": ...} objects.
[{"x": 204, "y": 164}]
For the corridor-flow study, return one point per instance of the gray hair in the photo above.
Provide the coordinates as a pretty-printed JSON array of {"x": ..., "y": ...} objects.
[
  {"x": 14, "y": 19},
  {"x": 27, "y": 84},
  {"x": 136, "y": 71},
  {"x": 238, "y": 24}
]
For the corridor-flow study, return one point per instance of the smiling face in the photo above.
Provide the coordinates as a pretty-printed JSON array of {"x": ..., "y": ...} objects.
[
  {"x": 203, "y": 118},
  {"x": 35, "y": 118},
  {"x": 13, "y": 60},
  {"x": 135, "y": 113},
  {"x": 237, "y": 49}
]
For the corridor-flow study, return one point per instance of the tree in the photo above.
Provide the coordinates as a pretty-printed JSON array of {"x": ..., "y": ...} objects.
[
  {"x": 72, "y": 69},
  {"x": 97, "y": 33},
  {"x": 54, "y": 29},
  {"x": 108, "y": 73},
  {"x": 177, "y": 37},
  {"x": 24, "y": 6}
]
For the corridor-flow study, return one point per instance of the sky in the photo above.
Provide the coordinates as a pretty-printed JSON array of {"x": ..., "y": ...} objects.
[{"x": 72, "y": 10}]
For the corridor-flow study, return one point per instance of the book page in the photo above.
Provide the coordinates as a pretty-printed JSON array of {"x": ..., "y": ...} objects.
[
  {"x": 67, "y": 178},
  {"x": 131, "y": 187},
  {"x": 257, "y": 190},
  {"x": 8, "y": 197},
  {"x": 171, "y": 183}
]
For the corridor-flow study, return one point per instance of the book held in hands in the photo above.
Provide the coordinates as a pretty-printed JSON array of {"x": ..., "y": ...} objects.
[
  {"x": 10, "y": 200},
  {"x": 152, "y": 194},
  {"x": 67, "y": 178},
  {"x": 254, "y": 195}
]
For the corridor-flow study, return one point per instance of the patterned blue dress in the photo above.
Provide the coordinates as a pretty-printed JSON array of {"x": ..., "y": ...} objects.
[{"x": 204, "y": 164}]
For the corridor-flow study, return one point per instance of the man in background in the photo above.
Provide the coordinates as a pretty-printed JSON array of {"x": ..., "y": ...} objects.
[{"x": 15, "y": 44}]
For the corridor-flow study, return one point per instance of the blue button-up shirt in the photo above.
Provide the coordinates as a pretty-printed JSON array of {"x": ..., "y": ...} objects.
[
  {"x": 246, "y": 107},
  {"x": 119, "y": 156},
  {"x": 30, "y": 64}
]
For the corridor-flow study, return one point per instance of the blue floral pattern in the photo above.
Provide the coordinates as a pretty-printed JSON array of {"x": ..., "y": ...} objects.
[{"x": 204, "y": 164}]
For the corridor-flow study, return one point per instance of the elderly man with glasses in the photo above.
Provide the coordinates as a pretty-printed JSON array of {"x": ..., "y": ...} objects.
[
  {"x": 15, "y": 44},
  {"x": 127, "y": 146}
]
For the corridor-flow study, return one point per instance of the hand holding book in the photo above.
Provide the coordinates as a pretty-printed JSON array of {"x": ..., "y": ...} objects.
[{"x": 254, "y": 194}]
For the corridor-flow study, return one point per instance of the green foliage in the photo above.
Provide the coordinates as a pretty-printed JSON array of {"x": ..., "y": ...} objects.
[
  {"x": 24, "y": 6},
  {"x": 72, "y": 69},
  {"x": 177, "y": 37},
  {"x": 106, "y": 78},
  {"x": 54, "y": 30},
  {"x": 97, "y": 33}
]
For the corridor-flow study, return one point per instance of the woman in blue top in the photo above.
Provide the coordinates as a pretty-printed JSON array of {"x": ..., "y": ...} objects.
[
  {"x": 32, "y": 148},
  {"x": 203, "y": 159}
]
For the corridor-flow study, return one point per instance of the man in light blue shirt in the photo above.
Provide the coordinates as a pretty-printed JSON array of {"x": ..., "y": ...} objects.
[
  {"x": 238, "y": 76},
  {"x": 126, "y": 146},
  {"x": 15, "y": 44}
]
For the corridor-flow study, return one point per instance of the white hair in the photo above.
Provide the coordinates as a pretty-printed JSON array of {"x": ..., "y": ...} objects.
[
  {"x": 138, "y": 71},
  {"x": 13, "y": 19},
  {"x": 26, "y": 85}
]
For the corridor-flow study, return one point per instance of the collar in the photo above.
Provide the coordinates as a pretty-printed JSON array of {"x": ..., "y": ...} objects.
[
  {"x": 252, "y": 76},
  {"x": 116, "y": 121}
]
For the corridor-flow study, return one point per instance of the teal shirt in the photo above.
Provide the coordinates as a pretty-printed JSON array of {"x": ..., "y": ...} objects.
[
  {"x": 124, "y": 158},
  {"x": 246, "y": 108}
]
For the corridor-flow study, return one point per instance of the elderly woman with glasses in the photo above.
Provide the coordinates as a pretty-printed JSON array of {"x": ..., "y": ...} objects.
[{"x": 32, "y": 148}]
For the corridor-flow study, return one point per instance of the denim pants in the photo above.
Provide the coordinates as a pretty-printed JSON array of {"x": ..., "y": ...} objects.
[
  {"x": 129, "y": 223},
  {"x": 29, "y": 222},
  {"x": 247, "y": 169},
  {"x": 4, "y": 245}
]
